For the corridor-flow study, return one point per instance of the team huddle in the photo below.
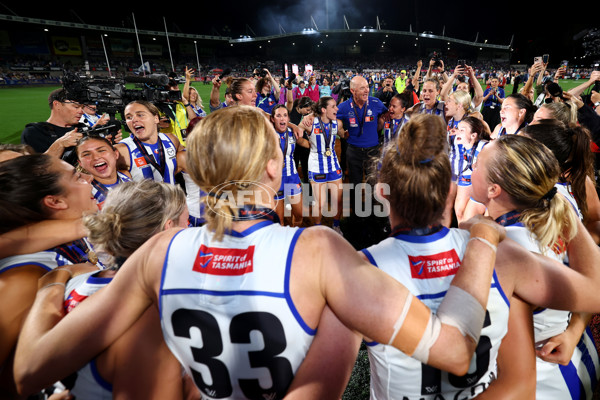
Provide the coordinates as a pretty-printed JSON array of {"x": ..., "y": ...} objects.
[{"x": 161, "y": 265}]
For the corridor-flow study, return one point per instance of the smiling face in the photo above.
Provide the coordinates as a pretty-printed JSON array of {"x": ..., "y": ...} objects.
[
  {"x": 76, "y": 197},
  {"x": 141, "y": 122},
  {"x": 280, "y": 119},
  {"x": 396, "y": 108},
  {"x": 359, "y": 87},
  {"x": 429, "y": 94},
  {"x": 510, "y": 114},
  {"x": 99, "y": 159}
]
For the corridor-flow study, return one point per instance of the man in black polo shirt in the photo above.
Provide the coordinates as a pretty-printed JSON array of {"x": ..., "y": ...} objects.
[{"x": 57, "y": 133}]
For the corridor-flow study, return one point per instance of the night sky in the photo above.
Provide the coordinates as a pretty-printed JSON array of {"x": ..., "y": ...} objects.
[{"x": 537, "y": 28}]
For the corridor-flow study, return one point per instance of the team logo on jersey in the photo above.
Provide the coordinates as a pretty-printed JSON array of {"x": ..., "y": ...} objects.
[
  {"x": 222, "y": 261},
  {"x": 140, "y": 162},
  {"x": 73, "y": 300},
  {"x": 171, "y": 152},
  {"x": 434, "y": 265}
]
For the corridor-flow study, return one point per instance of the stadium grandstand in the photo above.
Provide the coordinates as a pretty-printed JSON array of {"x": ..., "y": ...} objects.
[{"x": 34, "y": 49}]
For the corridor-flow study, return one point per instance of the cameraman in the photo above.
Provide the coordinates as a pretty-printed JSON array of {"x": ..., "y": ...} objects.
[
  {"x": 267, "y": 91},
  {"x": 174, "y": 117},
  {"x": 57, "y": 133},
  {"x": 387, "y": 91}
]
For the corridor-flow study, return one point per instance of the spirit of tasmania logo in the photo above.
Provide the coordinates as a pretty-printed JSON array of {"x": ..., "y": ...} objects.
[
  {"x": 434, "y": 265},
  {"x": 228, "y": 262}
]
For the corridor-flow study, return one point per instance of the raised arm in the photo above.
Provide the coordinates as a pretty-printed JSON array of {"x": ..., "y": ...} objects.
[
  {"x": 578, "y": 90},
  {"x": 535, "y": 69},
  {"x": 189, "y": 73},
  {"x": 447, "y": 86},
  {"x": 275, "y": 85},
  {"x": 417, "y": 76},
  {"x": 215, "y": 93},
  {"x": 477, "y": 89}
]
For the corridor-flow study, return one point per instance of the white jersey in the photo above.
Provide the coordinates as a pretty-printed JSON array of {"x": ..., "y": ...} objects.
[
  {"x": 48, "y": 260},
  {"x": 141, "y": 165},
  {"x": 462, "y": 161},
  {"x": 89, "y": 384},
  {"x": 194, "y": 200},
  {"x": 100, "y": 190},
  {"x": 287, "y": 142},
  {"x": 322, "y": 139},
  {"x": 227, "y": 313},
  {"x": 565, "y": 189},
  {"x": 554, "y": 381},
  {"x": 392, "y": 128},
  {"x": 426, "y": 265}
]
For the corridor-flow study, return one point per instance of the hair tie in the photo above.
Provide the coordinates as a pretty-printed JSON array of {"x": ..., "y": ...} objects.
[
  {"x": 425, "y": 161},
  {"x": 550, "y": 195}
]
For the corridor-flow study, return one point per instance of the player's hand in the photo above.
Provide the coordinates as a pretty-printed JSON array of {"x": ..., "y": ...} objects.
[
  {"x": 480, "y": 219},
  {"x": 558, "y": 349},
  {"x": 189, "y": 73}
]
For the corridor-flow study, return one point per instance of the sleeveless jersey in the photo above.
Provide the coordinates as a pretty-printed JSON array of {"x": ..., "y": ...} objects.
[
  {"x": 89, "y": 384},
  {"x": 100, "y": 190},
  {"x": 503, "y": 131},
  {"x": 287, "y": 142},
  {"x": 78, "y": 251},
  {"x": 48, "y": 260},
  {"x": 322, "y": 138},
  {"x": 564, "y": 188},
  {"x": 426, "y": 265},
  {"x": 194, "y": 200},
  {"x": 439, "y": 109},
  {"x": 392, "y": 128},
  {"x": 198, "y": 111},
  {"x": 462, "y": 160},
  {"x": 227, "y": 314},
  {"x": 578, "y": 379},
  {"x": 139, "y": 166}
]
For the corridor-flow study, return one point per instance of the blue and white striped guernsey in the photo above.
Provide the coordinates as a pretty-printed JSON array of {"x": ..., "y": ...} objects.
[
  {"x": 322, "y": 139},
  {"x": 140, "y": 166}
]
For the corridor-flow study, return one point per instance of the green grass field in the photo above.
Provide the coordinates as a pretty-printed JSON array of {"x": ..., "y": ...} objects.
[{"x": 22, "y": 105}]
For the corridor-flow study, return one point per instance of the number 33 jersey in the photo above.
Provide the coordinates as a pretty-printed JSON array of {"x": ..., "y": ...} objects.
[
  {"x": 426, "y": 265},
  {"x": 227, "y": 314}
]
